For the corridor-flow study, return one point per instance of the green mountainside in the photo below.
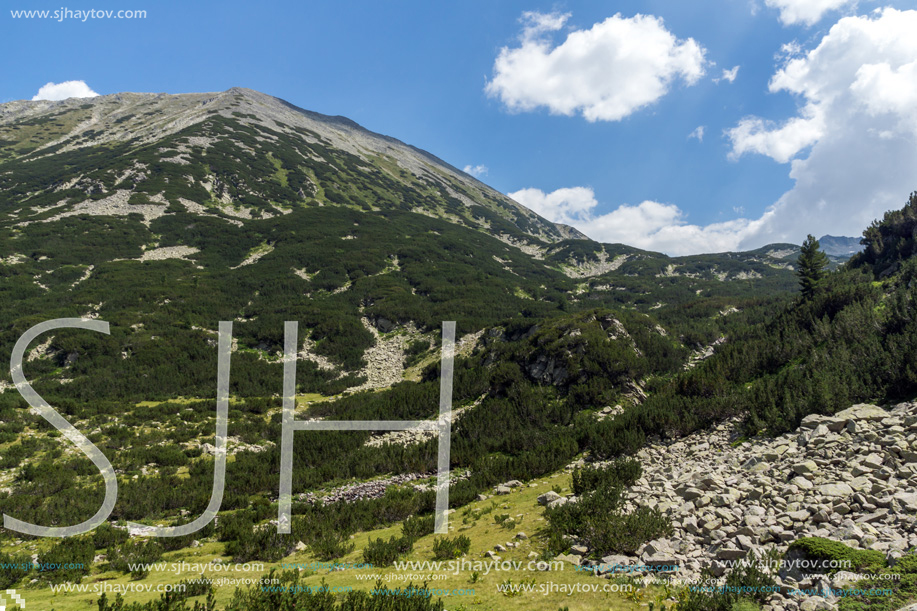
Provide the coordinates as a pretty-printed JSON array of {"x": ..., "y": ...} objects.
[{"x": 164, "y": 215}]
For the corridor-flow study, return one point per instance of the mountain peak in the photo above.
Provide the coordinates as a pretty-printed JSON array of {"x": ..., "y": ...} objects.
[
  {"x": 330, "y": 156},
  {"x": 840, "y": 246}
]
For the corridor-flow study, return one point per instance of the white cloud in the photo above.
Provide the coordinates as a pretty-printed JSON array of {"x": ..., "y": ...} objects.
[
  {"x": 850, "y": 149},
  {"x": 754, "y": 135},
  {"x": 606, "y": 73},
  {"x": 807, "y": 12},
  {"x": 857, "y": 119},
  {"x": 886, "y": 89},
  {"x": 569, "y": 206},
  {"x": 649, "y": 225},
  {"x": 728, "y": 75},
  {"x": 698, "y": 133},
  {"x": 62, "y": 91},
  {"x": 535, "y": 23},
  {"x": 476, "y": 170}
]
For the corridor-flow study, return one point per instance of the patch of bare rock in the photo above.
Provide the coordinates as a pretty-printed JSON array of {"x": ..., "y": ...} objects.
[
  {"x": 850, "y": 477},
  {"x": 373, "y": 489}
]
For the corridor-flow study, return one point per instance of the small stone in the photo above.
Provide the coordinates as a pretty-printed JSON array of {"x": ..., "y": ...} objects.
[{"x": 805, "y": 468}]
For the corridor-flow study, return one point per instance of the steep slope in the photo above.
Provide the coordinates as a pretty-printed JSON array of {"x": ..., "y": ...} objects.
[{"x": 286, "y": 154}]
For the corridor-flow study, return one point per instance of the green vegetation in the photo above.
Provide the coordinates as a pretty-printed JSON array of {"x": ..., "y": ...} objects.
[
  {"x": 445, "y": 548},
  {"x": 381, "y": 553},
  {"x": 290, "y": 594},
  {"x": 899, "y": 584},
  {"x": 622, "y": 473},
  {"x": 812, "y": 264},
  {"x": 598, "y": 519},
  {"x": 746, "y": 587},
  {"x": 561, "y": 337},
  {"x": 834, "y": 554}
]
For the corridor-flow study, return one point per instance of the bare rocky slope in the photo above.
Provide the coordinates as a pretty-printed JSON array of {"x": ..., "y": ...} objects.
[{"x": 850, "y": 477}]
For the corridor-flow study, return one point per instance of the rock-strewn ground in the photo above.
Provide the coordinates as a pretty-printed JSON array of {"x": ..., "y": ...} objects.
[{"x": 851, "y": 477}]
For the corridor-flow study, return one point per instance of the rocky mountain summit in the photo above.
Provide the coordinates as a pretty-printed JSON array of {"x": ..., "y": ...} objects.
[
  {"x": 850, "y": 477},
  {"x": 840, "y": 246},
  {"x": 159, "y": 128}
]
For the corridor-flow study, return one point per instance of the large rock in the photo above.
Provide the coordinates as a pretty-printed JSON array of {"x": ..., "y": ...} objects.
[
  {"x": 548, "y": 497},
  {"x": 815, "y": 604},
  {"x": 907, "y": 499},
  {"x": 570, "y": 558},
  {"x": 835, "y": 489},
  {"x": 862, "y": 411},
  {"x": 615, "y": 563},
  {"x": 727, "y": 553}
]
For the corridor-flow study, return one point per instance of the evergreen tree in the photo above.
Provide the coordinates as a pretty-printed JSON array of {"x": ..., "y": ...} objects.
[{"x": 812, "y": 263}]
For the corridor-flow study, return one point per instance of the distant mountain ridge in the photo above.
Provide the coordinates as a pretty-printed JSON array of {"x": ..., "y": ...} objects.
[{"x": 840, "y": 246}]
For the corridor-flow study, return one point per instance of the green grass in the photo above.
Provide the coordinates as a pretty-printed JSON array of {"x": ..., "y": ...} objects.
[
  {"x": 483, "y": 532},
  {"x": 281, "y": 175}
]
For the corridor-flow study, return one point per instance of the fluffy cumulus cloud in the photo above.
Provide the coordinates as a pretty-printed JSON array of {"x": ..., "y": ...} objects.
[
  {"x": 649, "y": 225},
  {"x": 62, "y": 91},
  {"x": 605, "y": 73},
  {"x": 807, "y": 12},
  {"x": 783, "y": 142},
  {"x": 476, "y": 170},
  {"x": 570, "y": 206},
  {"x": 851, "y": 147}
]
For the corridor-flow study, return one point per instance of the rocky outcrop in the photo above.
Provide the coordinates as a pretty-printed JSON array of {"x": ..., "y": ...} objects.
[
  {"x": 593, "y": 267},
  {"x": 373, "y": 489},
  {"x": 115, "y": 204},
  {"x": 385, "y": 359},
  {"x": 548, "y": 369},
  {"x": 361, "y": 491},
  {"x": 414, "y": 436}
]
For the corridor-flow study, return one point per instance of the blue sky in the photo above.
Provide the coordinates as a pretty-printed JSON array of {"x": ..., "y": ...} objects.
[{"x": 581, "y": 110}]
